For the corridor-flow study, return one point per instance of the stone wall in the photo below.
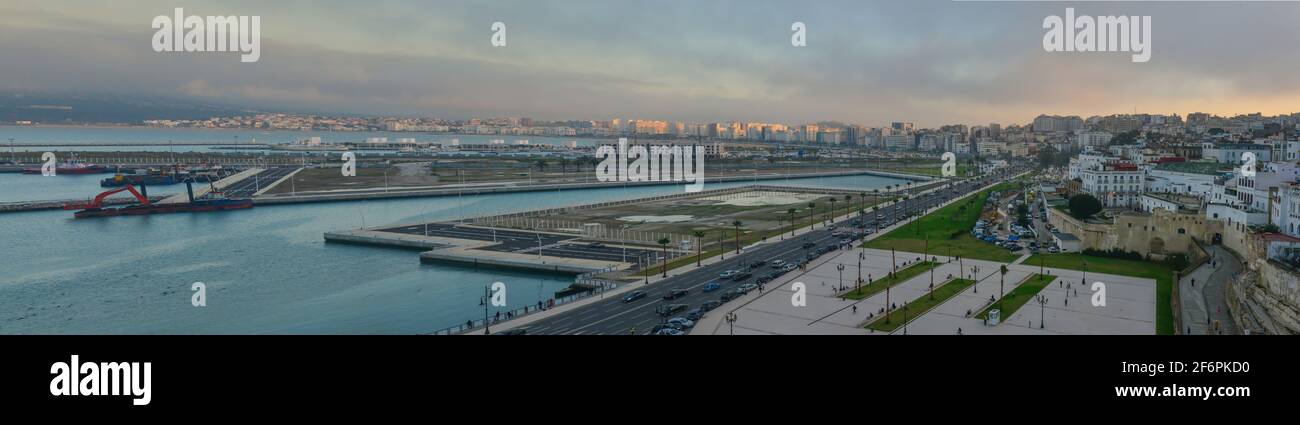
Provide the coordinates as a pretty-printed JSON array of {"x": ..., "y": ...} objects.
[{"x": 1157, "y": 234}]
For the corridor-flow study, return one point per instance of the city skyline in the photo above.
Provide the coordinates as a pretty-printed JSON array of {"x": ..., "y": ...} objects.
[{"x": 868, "y": 63}]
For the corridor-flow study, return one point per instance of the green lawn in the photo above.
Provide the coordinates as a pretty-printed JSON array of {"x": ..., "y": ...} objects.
[
  {"x": 880, "y": 284},
  {"x": 948, "y": 230},
  {"x": 1017, "y": 298},
  {"x": 920, "y": 305},
  {"x": 1161, "y": 273}
]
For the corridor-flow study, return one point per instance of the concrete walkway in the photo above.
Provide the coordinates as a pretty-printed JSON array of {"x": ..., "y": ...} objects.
[{"x": 1201, "y": 294}]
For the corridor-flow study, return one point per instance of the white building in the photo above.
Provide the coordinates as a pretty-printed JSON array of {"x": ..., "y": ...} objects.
[{"x": 1115, "y": 186}]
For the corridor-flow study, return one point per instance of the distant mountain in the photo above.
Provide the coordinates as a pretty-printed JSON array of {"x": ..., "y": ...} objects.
[{"x": 48, "y": 108}]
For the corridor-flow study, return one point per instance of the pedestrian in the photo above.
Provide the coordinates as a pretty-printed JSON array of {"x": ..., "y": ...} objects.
[
  {"x": 958, "y": 330},
  {"x": 855, "y": 309}
]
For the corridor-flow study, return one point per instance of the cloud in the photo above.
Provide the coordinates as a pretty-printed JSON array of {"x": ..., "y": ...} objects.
[{"x": 928, "y": 61}]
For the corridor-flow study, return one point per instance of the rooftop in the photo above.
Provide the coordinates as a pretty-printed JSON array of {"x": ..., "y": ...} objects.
[{"x": 1207, "y": 168}]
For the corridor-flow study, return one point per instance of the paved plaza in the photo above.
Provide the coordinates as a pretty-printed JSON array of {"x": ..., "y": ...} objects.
[{"x": 1130, "y": 302}]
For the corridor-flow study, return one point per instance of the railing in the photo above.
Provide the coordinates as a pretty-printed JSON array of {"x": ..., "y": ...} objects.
[{"x": 503, "y": 316}]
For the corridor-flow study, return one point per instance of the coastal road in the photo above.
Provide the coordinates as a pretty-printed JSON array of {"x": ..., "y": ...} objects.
[{"x": 612, "y": 316}]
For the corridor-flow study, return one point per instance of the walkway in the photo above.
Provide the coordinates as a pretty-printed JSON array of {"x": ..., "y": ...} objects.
[{"x": 1202, "y": 293}]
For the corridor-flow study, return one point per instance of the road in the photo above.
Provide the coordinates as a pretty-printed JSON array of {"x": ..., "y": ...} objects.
[
  {"x": 247, "y": 187},
  {"x": 612, "y": 316}
]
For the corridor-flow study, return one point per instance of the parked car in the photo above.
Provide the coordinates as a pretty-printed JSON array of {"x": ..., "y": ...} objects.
[
  {"x": 728, "y": 274},
  {"x": 710, "y": 305},
  {"x": 633, "y": 296},
  {"x": 763, "y": 279},
  {"x": 776, "y": 264},
  {"x": 669, "y": 331},
  {"x": 695, "y": 314},
  {"x": 662, "y": 326},
  {"x": 789, "y": 268},
  {"x": 731, "y": 295},
  {"x": 741, "y": 276},
  {"x": 711, "y": 286},
  {"x": 682, "y": 321},
  {"x": 744, "y": 289}
]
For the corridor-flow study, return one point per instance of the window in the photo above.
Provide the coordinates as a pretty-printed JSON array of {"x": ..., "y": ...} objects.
[{"x": 1182, "y": 231}]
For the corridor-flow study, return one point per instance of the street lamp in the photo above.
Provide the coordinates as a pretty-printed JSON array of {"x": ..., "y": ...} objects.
[
  {"x": 1042, "y": 311},
  {"x": 840, "y": 267},
  {"x": 731, "y": 321}
]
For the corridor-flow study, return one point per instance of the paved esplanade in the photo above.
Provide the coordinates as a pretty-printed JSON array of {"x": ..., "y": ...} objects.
[{"x": 609, "y": 315}]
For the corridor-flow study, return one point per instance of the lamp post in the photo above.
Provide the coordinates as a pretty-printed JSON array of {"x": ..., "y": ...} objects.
[
  {"x": 731, "y": 321},
  {"x": 840, "y": 267},
  {"x": 1042, "y": 311}
]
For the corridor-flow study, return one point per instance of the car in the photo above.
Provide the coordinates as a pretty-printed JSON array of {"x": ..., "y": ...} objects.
[
  {"x": 670, "y": 309},
  {"x": 789, "y": 268},
  {"x": 757, "y": 264},
  {"x": 710, "y": 305},
  {"x": 1053, "y": 250},
  {"x": 515, "y": 331},
  {"x": 695, "y": 314},
  {"x": 682, "y": 321},
  {"x": 712, "y": 286},
  {"x": 744, "y": 289},
  {"x": 773, "y": 275},
  {"x": 667, "y": 325},
  {"x": 728, "y": 274},
  {"x": 763, "y": 279},
  {"x": 633, "y": 296},
  {"x": 741, "y": 276},
  {"x": 669, "y": 331},
  {"x": 675, "y": 293},
  {"x": 776, "y": 264},
  {"x": 731, "y": 295},
  {"x": 595, "y": 245}
]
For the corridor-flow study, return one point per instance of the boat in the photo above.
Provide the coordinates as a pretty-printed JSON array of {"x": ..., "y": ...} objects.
[
  {"x": 71, "y": 168},
  {"x": 214, "y": 201},
  {"x": 151, "y": 177}
]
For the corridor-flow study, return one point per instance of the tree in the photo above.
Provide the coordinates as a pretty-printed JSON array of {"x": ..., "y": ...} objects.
[
  {"x": 1083, "y": 206},
  {"x": 812, "y": 207},
  {"x": 737, "y": 223},
  {"x": 832, "y": 212},
  {"x": 664, "y": 243},
  {"x": 699, "y": 246},
  {"x": 792, "y": 211},
  {"x": 1001, "y": 293}
]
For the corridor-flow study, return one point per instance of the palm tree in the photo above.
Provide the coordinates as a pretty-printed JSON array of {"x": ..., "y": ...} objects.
[
  {"x": 664, "y": 243},
  {"x": 541, "y": 165},
  {"x": 862, "y": 201},
  {"x": 737, "y": 223},
  {"x": 791, "y": 211},
  {"x": 832, "y": 211},
  {"x": 848, "y": 200},
  {"x": 699, "y": 245},
  {"x": 812, "y": 206},
  {"x": 1000, "y": 284}
]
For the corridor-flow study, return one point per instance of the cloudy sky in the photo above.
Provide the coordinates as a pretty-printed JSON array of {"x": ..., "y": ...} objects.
[{"x": 869, "y": 62}]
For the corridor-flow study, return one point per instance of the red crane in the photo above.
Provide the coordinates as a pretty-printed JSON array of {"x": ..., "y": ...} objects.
[{"x": 99, "y": 199}]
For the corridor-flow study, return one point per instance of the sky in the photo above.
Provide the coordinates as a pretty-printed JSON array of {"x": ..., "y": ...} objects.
[{"x": 930, "y": 62}]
